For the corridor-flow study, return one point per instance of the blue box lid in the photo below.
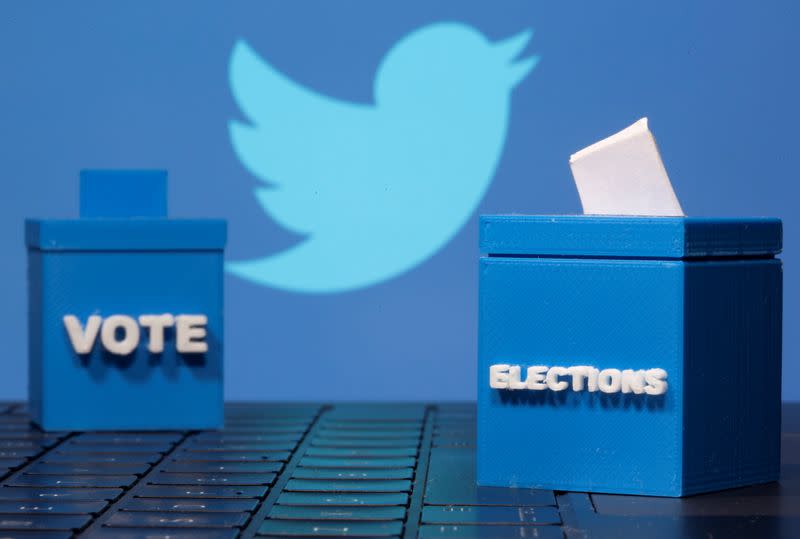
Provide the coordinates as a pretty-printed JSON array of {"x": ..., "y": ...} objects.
[
  {"x": 124, "y": 210},
  {"x": 137, "y": 234},
  {"x": 637, "y": 237}
]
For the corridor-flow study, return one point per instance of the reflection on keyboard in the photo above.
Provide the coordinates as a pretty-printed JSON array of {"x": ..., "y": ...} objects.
[{"x": 294, "y": 470}]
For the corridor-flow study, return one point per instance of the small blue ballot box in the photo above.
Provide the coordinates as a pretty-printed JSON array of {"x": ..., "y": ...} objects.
[
  {"x": 125, "y": 311},
  {"x": 629, "y": 354}
]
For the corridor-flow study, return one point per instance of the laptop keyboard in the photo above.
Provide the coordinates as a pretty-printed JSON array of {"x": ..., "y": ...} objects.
[
  {"x": 297, "y": 470},
  {"x": 275, "y": 470}
]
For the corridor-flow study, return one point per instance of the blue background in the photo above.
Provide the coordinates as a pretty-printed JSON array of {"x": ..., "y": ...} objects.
[{"x": 89, "y": 84}]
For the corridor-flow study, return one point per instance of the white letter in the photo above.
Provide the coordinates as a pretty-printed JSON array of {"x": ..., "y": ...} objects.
[
  {"x": 498, "y": 376},
  {"x": 552, "y": 378},
  {"x": 633, "y": 381},
  {"x": 536, "y": 377},
  {"x": 157, "y": 323},
  {"x": 108, "y": 336},
  {"x": 189, "y": 328},
  {"x": 514, "y": 378},
  {"x": 82, "y": 339},
  {"x": 579, "y": 373},
  {"x": 657, "y": 381},
  {"x": 609, "y": 380},
  {"x": 592, "y": 377}
]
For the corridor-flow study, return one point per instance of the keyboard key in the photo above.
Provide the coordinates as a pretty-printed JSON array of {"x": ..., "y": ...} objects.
[
  {"x": 316, "y": 498},
  {"x": 26, "y": 480},
  {"x": 453, "y": 443},
  {"x": 18, "y": 454},
  {"x": 373, "y": 425},
  {"x": 163, "y": 533},
  {"x": 165, "y": 478},
  {"x": 338, "y": 462},
  {"x": 270, "y": 410},
  {"x": 100, "y": 448},
  {"x": 39, "y": 438},
  {"x": 251, "y": 430},
  {"x": 409, "y": 434},
  {"x": 126, "y": 438},
  {"x": 65, "y": 494},
  {"x": 7, "y": 464},
  {"x": 404, "y": 443},
  {"x": 464, "y": 432},
  {"x": 156, "y": 491},
  {"x": 288, "y": 512},
  {"x": 266, "y": 447},
  {"x": 36, "y": 534},
  {"x": 14, "y": 420},
  {"x": 363, "y": 453},
  {"x": 22, "y": 419},
  {"x": 456, "y": 428},
  {"x": 429, "y": 531},
  {"x": 15, "y": 445},
  {"x": 455, "y": 432},
  {"x": 227, "y": 467},
  {"x": 233, "y": 456},
  {"x": 103, "y": 458},
  {"x": 42, "y": 522},
  {"x": 308, "y": 485},
  {"x": 262, "y": 427},
  {"x": 53, "y": 507},
  {"x": 464, "y": 417},
  {"x": 18, "y": 423},
  {"x": 86, "y": 468},
  {"x": 269, "y": 416},
  {"x": 219, "y": 438},
  {"x": 135, "y": 519},
  {"x": 260, "y": 420},
  {"x": 451, "y": 481},
  {"x": 190, "y": 505},
  {"x": 265, "y": 422},
  {"x": 14, "y": 430},
  {"x": 489, "y": 515},
  {"x": 454, "y": 436},
  {"x": 377, "y": 412},
  {"x": 291, "y": 528},
  {"x": 353, "y": 473},
  {"x": 273, "y": 409}
]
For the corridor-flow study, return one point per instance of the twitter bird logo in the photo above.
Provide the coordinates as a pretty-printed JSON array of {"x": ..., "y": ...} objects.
[{"x": 375, "y": 188}]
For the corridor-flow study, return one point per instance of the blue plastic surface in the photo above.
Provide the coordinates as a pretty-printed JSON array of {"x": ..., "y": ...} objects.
[
  {"x": 630, "y": 237},
  {"x": 123, "y": 193},
  {"x": 714, "y": 324},
  {"x": 132, "y": 267},
  {"x": 125, "y": 234}
]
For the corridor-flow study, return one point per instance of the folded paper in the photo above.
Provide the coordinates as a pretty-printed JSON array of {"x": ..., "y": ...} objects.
[{"x": 624, "y": 175}]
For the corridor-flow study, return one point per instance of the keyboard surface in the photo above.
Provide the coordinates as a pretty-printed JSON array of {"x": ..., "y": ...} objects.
[{"x": 355, "y": 470}]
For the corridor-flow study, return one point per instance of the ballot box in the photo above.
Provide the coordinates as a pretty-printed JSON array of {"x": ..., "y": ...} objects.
[
  {"x": 634, "y": 355},
  {"x": 125, "y": 311}
]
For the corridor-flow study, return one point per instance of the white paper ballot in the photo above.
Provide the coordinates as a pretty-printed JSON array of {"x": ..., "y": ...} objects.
[{"x": 624, "y": 175}]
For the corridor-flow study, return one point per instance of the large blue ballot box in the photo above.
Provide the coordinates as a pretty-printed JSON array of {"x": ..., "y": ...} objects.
[{"x": 629, "y": 354}]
